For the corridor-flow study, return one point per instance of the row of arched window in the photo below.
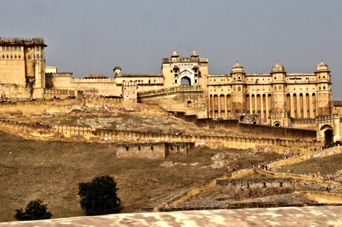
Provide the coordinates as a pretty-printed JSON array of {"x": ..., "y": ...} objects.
[
  {"x": 11, "y": 48},
  {"x": 10, "y": 56}
]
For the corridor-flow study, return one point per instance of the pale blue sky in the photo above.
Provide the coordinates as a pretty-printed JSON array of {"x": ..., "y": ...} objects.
[{"x": 86, "y": 36}]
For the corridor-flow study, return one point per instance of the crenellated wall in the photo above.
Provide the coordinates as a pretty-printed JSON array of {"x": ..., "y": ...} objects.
[
  {"x": 188, "y": 99},
  {"x": 151, "y": 150},
  {"x": 104, "y": 135},
  {"x": 37, "y": 107},
  {"x": 255, "y": 187}
]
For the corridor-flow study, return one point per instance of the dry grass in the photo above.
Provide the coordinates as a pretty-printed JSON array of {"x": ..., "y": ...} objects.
[{"x": 52, "y": 170}]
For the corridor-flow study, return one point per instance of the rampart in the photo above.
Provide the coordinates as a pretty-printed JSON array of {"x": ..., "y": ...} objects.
[
  {"x": 151, "y": 150},
  {"x": 323, "y": 197},
  {"x": 304, "y": 123},
  {"x": 116, "y": 136},
  {"x": 37, "y": 107},
  {"x": 59, "y": 93},
  {"x": 187, "y": 99},
  {"x": 240, "y": 186},
  {"x": 255, "y": 187},
  {"x": 308, "y": 155},
  {"x": 170, "y": 90},
  {"x": 101, "y": 100}
]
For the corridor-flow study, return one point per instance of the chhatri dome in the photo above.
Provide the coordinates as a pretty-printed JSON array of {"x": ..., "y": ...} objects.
[
  {"x": 194, "y": 54},
  {"x": 175, "y": 54},
  {"x": 278, "y": 68},
  {"x": 322, "y": 67},
  {"x": 237, "y": 68}
]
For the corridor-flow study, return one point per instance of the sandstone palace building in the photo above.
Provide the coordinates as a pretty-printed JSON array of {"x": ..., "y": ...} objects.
[{"x": 277, "y": 98}]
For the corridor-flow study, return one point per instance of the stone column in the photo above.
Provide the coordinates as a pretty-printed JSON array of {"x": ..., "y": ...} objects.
[
  {"x": 311, "y": 106},
  {"x": 304, "y": 106},
  {"x": 225, "y": 106},
  {"x": 213, "y": 106},
  {"x": 209, "y": 109},
  {"x": 256, "y": 104},
  {"x": 250, "y": 104},
  {"x": 261, "y": 108},
  {"x": 267, "y": 110},
  {"x": 219, "y": 105},
  {"x": 291, "y": 106},
  {"x": 298, "y": 107}
]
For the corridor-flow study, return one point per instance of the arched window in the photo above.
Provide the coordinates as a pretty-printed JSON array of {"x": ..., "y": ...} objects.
[{"x": 185, "y": 81}]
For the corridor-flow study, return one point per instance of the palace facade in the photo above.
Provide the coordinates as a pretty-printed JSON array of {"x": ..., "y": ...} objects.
[{"x": 277, "y": 98}]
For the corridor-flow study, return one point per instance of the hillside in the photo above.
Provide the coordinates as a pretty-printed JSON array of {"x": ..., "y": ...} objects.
[{"x": 51, "y": 171}]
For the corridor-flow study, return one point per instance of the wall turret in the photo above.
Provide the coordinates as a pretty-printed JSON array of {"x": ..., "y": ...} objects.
[
  {"x": 238, "y": 76},
  {"x": 117, "y": 71},
  {"x": 324, "y": 93},
  {"x": 278, "y": 74}
]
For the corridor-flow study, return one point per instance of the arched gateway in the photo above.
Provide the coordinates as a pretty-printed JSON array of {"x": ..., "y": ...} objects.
[
  {"x": 327, "y": 133},
  {"x": 328, "y": 129}
]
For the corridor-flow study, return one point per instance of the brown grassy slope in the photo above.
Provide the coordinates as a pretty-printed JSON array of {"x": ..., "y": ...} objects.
[
  {"x": 326, "y": 165},
  {"x": 51, "y": 171}
]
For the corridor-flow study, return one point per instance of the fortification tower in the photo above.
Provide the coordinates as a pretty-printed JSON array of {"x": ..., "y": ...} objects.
[
  {"x": 238, "y": 77},
  {"x": 22, "y": 66},
  {"x": 185, "y": 71},
  {"x": 324, "y": 96},
  {"x": 279, "y": 115}
]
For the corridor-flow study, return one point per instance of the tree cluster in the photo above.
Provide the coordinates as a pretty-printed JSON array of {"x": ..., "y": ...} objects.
[{"x": 97, "y": 197}]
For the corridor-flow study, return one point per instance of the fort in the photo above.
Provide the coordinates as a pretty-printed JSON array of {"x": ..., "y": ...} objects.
[
  {"x": 288, "y": 115},
  {"x": 281, "y": 99}
]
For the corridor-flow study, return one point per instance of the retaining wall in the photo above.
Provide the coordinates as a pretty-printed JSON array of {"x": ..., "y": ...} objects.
[{"x": 105, "y": 135}]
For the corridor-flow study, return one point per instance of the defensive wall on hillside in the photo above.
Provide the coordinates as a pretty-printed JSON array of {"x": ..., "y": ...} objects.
[
  {"x": 255, "y": 187},
  {"x": 104, "y": 135},
  {"x": 252, "y": 129},
  {"x": 66, "y": 105},
  {"x": 152, "y": 150},
  {"x": 187, "y": 99},
  {"x": 37, "y": 107},
  {"x": 239, "y": 185}
]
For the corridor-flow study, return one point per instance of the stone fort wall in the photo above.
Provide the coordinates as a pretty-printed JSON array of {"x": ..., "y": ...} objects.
[
  {"x": 151, "y": 150},
  {"x": 255, "y": 187},
  {"x": 103, "y": 135},
  {"x": 252, "y": 129}
]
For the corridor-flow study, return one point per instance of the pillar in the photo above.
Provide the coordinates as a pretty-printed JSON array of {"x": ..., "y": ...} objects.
[
  {"x": 311, "y": 106},
  {"x": 305, "y": 105},
  {"x": 292, "y": 107},
  {"x": 298, "y": 107},
  {"x": 250, "y": 104}
]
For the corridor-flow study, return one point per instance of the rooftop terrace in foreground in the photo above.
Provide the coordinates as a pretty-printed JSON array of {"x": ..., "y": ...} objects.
[{"x": 285, "y": 216}]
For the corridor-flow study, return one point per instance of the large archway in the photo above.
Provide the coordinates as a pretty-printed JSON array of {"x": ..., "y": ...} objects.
[
  {"x": 277, "y": 124},
  {"x": 185, "y": 81},
  {"x": 328, "y": 136}
]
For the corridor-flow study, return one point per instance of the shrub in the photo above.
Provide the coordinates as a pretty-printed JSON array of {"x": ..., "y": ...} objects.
[
  {"x": 35, "y": 210},
  {"x": 99, "y": 196}
]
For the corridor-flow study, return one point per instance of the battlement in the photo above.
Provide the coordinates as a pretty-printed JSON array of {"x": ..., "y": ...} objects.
[
  {"x": 22, "y": 41},
  {"x": 96, "y": 76},
  {"x": 185, "y": 60},
  {"x": 329, "y": 117},
  {"x": 61, "y": 74},
  {"x": 140, "y": 75},
  {"x": 93, "y": 80},
  {"x": 170, "y": 90}
]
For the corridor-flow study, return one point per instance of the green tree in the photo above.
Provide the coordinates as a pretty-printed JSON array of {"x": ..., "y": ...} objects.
[
  {"x": 35, "y": 210},
  {"x": 99, "y": 196}
]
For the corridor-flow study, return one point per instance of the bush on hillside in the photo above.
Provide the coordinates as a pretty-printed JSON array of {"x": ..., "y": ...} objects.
[{"x": 35, "y": 210}]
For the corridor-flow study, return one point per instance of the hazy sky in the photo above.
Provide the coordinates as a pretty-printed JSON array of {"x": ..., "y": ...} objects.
[{"x": 86, "y": 36}]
